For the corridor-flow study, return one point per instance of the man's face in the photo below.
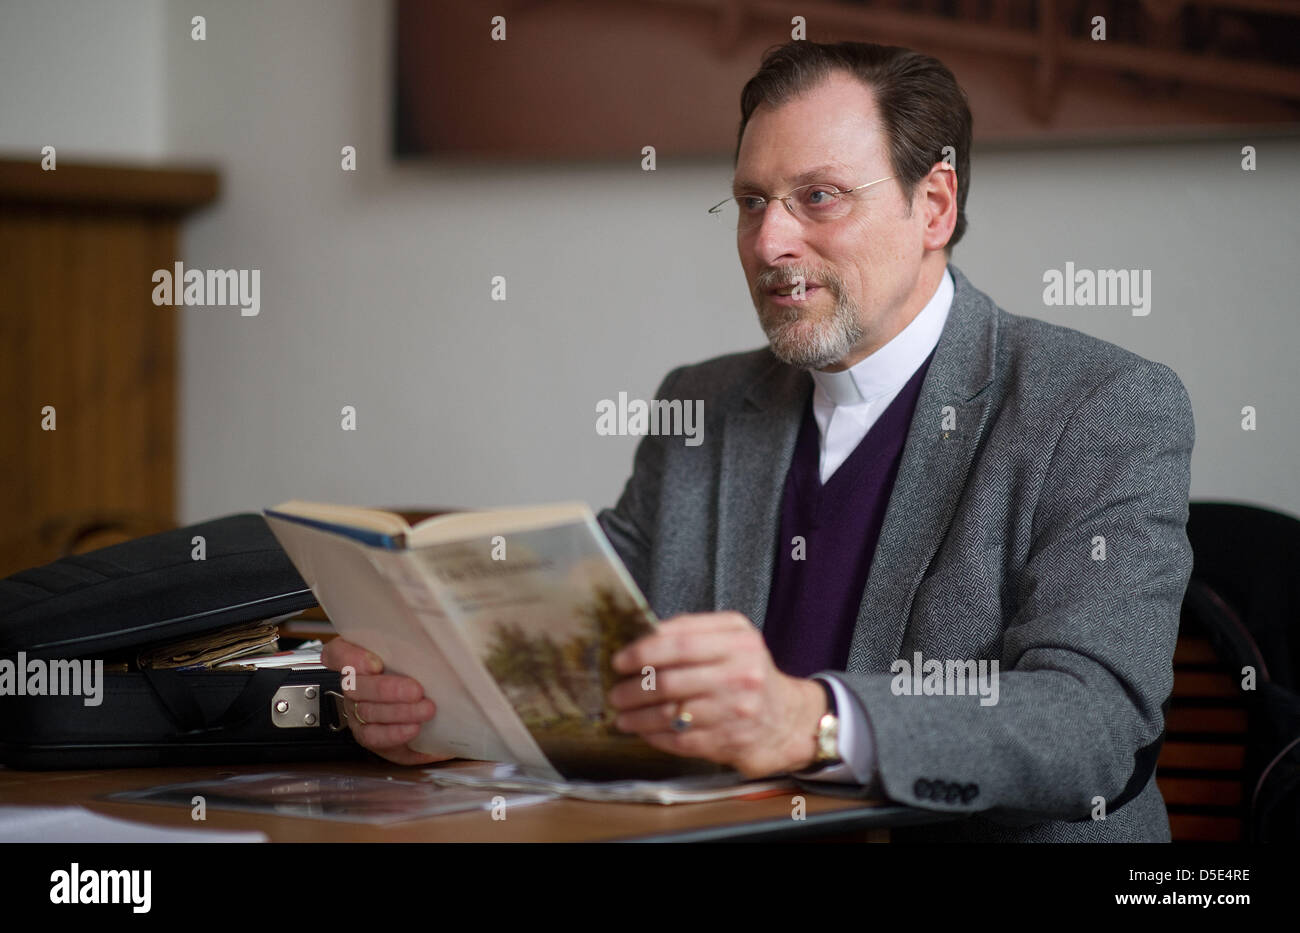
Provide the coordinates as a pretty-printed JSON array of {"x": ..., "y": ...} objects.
[{"x": 860, "y": 270}]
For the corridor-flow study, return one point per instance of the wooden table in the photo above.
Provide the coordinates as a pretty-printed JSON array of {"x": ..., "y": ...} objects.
[{"x": 559, "y": 820}]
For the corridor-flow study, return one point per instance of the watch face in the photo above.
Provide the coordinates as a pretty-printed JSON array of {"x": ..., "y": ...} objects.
[{"x": 828, "y": 738}]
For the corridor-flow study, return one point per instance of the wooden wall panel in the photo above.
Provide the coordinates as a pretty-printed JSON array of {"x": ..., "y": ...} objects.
[{"x": 79, "y": 332}]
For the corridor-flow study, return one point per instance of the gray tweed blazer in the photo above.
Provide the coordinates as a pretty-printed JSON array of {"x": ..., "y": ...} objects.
[{"x": 1033, "y": 446}]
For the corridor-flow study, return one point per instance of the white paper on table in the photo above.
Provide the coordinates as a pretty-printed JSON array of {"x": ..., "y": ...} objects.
[{"x": 77, "y": 824}]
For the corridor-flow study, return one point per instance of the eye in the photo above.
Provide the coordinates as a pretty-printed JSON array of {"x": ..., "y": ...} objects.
[
  {"x": 749, "y": 203},
  {"x": 819, "y": 196}
]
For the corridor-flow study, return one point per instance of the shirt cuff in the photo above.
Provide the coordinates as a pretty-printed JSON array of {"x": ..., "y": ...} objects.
[{"x": 857, "y": 746}]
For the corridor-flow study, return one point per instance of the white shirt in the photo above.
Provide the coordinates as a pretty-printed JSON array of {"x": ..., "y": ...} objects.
[{"x": 846, "y": 404}]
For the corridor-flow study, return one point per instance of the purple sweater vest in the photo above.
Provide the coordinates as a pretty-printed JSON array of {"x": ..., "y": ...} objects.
[{"x": 813, "y": 605}]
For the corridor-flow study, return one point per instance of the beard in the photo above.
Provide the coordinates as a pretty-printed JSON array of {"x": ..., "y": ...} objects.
[{"x": 803, "y": 335}]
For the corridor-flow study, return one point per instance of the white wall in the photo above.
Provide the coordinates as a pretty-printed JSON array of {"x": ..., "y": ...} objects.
[
  {"x": 84, "y": 77},
  {"x": 1221, "y": 245},
  {"x": 376, "y": 287},
  {"x": 375, "y": 284}
]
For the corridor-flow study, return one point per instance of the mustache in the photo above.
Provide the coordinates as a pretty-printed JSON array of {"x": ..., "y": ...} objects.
[{"x": 788, "y": 276}]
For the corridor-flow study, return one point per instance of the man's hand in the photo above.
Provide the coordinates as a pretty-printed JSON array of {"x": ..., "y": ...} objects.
[
  {"x": 392, "y": 706},
  {"x": 744, "y": 712}
]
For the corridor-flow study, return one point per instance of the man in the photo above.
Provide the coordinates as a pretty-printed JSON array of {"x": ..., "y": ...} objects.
[{"x": 907, "y": 476}]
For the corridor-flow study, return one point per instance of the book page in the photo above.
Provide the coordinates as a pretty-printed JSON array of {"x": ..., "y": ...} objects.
[
  {"x": 389, "y": 523},
  {"x": 354, "y": 585},
  {"x": 542, "y": 612},
  {"x": 458, "y": 526},
  {"x": 388, "y": 529},
  {"x": 405, "y": 573}
]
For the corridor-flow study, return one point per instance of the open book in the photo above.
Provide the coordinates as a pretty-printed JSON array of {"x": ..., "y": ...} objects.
[{"x": 507, "y": 618}]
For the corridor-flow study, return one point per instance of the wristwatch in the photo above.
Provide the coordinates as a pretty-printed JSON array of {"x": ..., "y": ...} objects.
[{"x": 828, "y": 732}]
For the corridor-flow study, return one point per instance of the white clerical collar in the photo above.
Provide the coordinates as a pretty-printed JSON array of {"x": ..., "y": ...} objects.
[{"x": 894, "y": 363}]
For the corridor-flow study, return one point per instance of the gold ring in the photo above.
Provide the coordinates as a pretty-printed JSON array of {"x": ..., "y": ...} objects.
[
  {"x": 356, "y": 711},
  {"x": 682, "y": 721}
]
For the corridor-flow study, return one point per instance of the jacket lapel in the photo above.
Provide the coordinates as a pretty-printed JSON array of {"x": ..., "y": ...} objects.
[
  {"x": 757, "y": 448},
  {"x": 931, "y": 476}
]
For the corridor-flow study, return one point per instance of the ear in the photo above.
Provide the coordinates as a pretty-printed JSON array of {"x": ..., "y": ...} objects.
[{"x": 938, "y": 204}]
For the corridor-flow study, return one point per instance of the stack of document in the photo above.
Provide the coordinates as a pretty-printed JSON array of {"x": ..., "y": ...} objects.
[
  {"x": 211, "y": 649},
  {"x": 305, "y": 657}
]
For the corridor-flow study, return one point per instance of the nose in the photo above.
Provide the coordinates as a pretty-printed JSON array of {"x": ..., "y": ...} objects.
[{"x": 778, "y": 233}]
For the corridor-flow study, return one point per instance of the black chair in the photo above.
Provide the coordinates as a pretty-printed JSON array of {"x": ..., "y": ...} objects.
[{"x": 1230, "y": 767}]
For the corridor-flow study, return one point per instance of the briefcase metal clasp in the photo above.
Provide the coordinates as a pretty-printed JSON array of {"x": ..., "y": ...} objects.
[{"x": 296, "y": 706}]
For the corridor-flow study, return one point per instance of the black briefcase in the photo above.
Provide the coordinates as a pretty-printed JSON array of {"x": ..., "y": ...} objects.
[{"x": 56, "y": 621}]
